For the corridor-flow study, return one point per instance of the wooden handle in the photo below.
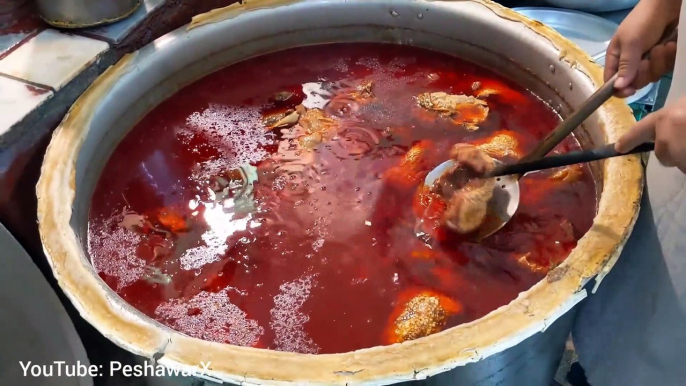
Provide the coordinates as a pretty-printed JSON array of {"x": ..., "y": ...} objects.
[
  {"x": 573, "y": 121},
  {"x": 571, "y": 158}
]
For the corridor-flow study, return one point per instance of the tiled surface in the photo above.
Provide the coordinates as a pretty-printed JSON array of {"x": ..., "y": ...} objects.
[
  {"x": 10, "y": 40},
  {"x": 16, "y": 32},
  {"x": 34, "y": 56},
  {"x": 17, "y": 99},
  {"x": 115, "y": 33},
  {"x": 52, "y": 58}
]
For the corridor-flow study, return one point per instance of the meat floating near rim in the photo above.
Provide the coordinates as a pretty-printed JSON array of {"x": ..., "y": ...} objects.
[
  {"x": 462, "y": 109},
  {"x": 276, "y": 212}
]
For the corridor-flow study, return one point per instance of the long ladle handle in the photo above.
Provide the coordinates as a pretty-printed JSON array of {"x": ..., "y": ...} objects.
[
  {"x": 596, "y": 100},
  {"x": 571, "y": 158}
]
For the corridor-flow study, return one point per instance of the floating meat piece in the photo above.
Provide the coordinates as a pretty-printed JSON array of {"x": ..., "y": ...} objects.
[
  {"x": 527, "y": 261},
  {"x": 282, "y": 96},
  {"x": 472, "y": 157},
  {"x": 316, "y": 121},
  {"x": 463, "y": 109},
  {"x": 410, "y": 170},
  {"x": 132, "y": 221},
  {"x": 284, "y": 118},
  {"x": 425, "y": 313},
  {"x": 494, "y": 87},
  {"x": 569, "y": 174},
  {"x": 503, "y": 144},
  {"x": 468, "y": 204},
  {"x": 138, "y": 223},
  {"x": 485, "y": 93},
  {"x": 172, "y": 221},
  {"x": 349, "y": 102},
  {"x": 364, "y": 91},
  {"x": 317, "y": 125},
  {"x": 310, "y": 141},
  {"x": 544, "y": 243},
  {"x": 154, "y": 275},
  {"x": 281, "y": 120}
]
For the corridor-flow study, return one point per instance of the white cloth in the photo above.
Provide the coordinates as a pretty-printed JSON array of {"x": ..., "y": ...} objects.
[{"x": 633, "y": 330}]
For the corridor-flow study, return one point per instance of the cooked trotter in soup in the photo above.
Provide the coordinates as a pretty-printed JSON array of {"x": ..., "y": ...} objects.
[
  {"x": 279, "y": 202},
  {"x": 467, "y": 195},
  {"x": 418, "y": 314}
]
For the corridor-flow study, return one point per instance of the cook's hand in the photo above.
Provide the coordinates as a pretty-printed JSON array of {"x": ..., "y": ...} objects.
[
  {"x": 640, "y": 31},
  {"x": 667, "y": 127}
]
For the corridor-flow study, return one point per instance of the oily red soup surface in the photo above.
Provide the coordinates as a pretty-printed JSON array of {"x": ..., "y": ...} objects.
[{"x": 324, "y": 252}]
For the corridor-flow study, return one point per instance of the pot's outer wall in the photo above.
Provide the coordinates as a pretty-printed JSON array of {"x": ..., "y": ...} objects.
[{"x": 533, "y": 54}]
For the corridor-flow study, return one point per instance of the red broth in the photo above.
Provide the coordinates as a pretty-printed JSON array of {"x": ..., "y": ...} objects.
[{"x": 324, "y": 252}]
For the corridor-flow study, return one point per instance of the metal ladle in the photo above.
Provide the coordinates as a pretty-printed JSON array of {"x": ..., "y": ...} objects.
[{"x": 505, "y": 199}]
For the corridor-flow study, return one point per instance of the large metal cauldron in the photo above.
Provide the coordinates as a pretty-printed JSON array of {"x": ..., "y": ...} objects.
[{"x": 506, "y": 347}]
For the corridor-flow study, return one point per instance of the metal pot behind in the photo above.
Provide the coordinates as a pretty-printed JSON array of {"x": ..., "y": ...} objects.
[{"x": 84, "y": 13}]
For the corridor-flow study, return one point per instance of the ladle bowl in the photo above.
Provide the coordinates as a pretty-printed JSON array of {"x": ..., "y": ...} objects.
[{"x": 501, "y": 207}]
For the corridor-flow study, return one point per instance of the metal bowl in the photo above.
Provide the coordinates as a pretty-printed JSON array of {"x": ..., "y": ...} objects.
[
  {"x": 85, "y": 13},
  {"x": 519, "y": 344}
]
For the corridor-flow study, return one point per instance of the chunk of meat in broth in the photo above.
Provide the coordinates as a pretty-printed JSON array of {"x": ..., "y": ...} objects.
[
  {"x": 462, "y": 109},
  {"x": 502, "y": 145},
  {"x": 284, "y": 110},
  {"x": 364, "y": 91},
  {"x": 419, "y": 313},
  {"x": 282, "y": 120},
  {"x": 569, "y": 174},
  {"x": 536, "y": 257},
  {"x": 531, "y": 264},
  {"x": 492, "y": 87},
  {"x": 469, "y": 197},
  {"x": 414, "y": 165},
  {"x": 314, "y": 125},
  {"x": 172, "y": 220},
  {"x": 349, "y": 102},
  {"x": 318, "y": 127}
]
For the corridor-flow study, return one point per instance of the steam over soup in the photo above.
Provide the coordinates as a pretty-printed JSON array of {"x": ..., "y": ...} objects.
[{"x": 278, "y": 203}]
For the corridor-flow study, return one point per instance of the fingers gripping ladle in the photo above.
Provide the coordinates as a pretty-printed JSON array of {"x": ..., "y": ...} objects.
[{"x": 505, "y": 200}]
